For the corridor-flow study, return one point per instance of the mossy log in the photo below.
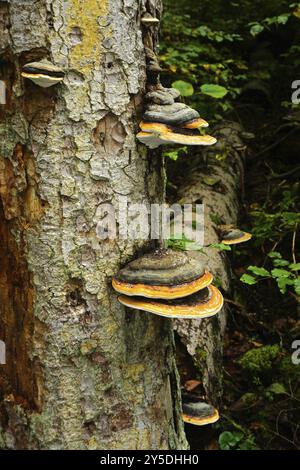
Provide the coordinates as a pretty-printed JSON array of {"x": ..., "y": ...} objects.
[{"x": 214, "y": 177}]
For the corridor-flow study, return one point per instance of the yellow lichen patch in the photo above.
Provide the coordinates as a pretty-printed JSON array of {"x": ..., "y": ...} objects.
[
  {"x": 134, "y": 372},
  {"x": 87, "y": 17},
  {"x": 92, "y": 444}
]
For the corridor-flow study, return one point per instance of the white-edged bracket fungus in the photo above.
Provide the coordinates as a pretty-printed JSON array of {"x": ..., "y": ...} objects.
[
  {"x": 233, "y": 236},
  {"x": 149, "y": 20},
  {"x": 43, "y": 73},
  {"x": 162, "y": 274},
  {"x": 199, "y": 413},
  {"x": 203, "y": 304}
]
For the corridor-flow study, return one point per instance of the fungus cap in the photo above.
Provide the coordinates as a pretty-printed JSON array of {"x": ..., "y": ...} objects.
[
  {"x": 176, "y": 114},
  {"x": 159, "y": 128},
  {"x": 43, "y": 73},
  {"x": 199, "y": 413},
  {"x": 163, "y": 274},
  {"x": 158, "y": 136},
  {"x": 182, "y": 139},
  {"x": 152, "y": 140},
  {"x": 203, "y": 304},
  {"x": 196, "y": 124},
  {"x": 235, "y": 236},
  {"x": 148, "y": 19},
  {"x": 162, "y": 96}
]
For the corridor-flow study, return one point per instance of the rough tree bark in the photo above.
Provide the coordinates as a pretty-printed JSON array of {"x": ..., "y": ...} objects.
[
  {"x": 214, "y": 178},
  {"x": 81, "y": 373}
]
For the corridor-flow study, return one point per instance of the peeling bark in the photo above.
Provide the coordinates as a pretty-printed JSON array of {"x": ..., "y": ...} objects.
[
  {"x": 223, "y": 163},
  {"x": 81, "y": 372}
]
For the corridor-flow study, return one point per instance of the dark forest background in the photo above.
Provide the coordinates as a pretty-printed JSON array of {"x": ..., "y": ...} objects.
[{"x": 237, "y": 60}]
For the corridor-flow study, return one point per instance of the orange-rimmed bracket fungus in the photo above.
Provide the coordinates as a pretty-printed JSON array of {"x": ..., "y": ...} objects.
[
  {"x": 233, "y": 236},
  {"x": 155, "y": 139},
  {"x": 169, "y": 122},
  {"x": 198, "y": 413},
  {"x": 203, "y": 304},
  {"x": 43, "y": 73},
  {"x": 162, "y": 274}
]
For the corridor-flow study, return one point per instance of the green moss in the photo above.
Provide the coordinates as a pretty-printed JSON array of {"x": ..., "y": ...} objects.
[
  {"x": 249, "y": 398},
  {"x": 200, "y": 360},
  {"x": 289, "y": 372},
  {"x": 260, "y": 359}
]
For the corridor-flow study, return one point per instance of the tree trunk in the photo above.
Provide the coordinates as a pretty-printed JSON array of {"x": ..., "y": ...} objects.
[
  {"x": 80, "y": 372},
  {"x": 215, "y": 178}
]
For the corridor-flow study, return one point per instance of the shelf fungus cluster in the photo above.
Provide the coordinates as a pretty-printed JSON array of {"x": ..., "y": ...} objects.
[
  {"x": 167, "y": 121},
  {"x": 198, "y": 412},
  {"x": 230, "y": 235},
  {"x": 43, "y": 73},
  {"x": 170, "y": 284}
]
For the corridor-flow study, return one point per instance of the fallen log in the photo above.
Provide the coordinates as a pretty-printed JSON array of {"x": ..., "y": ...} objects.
[{"x": 214, "y": 177}]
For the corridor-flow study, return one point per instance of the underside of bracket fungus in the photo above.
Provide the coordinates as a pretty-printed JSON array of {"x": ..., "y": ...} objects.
[
  {"x": 233, "y": 236},
  {"x": 43, "y": 73},
  {"x": 198, "y": 413},
  {"x": 155, "y": 139},
  {"x": 149, "y": 20},
  {"x": 203, "y": 304},
  {"x": 162, "y": 274},
  {"x": 166, "y": 121}
]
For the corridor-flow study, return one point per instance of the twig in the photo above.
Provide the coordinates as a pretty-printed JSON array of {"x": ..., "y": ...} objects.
[
  {"x": 284, "y": 175},
  {"x": 294, "y": 244}
]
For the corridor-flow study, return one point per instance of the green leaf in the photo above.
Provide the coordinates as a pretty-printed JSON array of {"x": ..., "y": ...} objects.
[
  {"x": 256, "y": 29},
  {"x": 297, "y": 285},
  {"x": 277, "y": 273},
  {"x": 173, "y": 155},
  {"x": 295, "y": 266},
  {"x": 227, "y": 439},
  {"x": 274, "y": 254},
  {"x": 247, "y": 279},
  {"x": 281, "y": 262},
  {"x": 259, "y": 271},
  {"x": 220, "y": 246},
  {"x": 216, "y": 91},
  {"x": 185, "y": 88},
  {"x": 283, "y": 282},
  {"x": 277, "y": 389},
  {"x": 283, "y": 19}
]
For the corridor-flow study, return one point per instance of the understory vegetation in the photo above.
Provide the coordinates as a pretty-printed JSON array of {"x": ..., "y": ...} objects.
[{"x": 237, "y": 60}]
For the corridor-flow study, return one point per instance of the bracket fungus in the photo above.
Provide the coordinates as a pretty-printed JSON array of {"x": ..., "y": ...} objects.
[
  {"x": 43, "y": 73},
  {"x": 233, "y": 236},
  {"x": 198, "y": 413},
  {"x": 149, "y": 20},
  {"x": 203, "y": 304},
  {"x": 162, "y": 274},
  {"x": 153, "y": 67},
  {"x": 154, "y": 139},
  {"x": 169, "y": 122},
  {"x": 176, "y": 114}
]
